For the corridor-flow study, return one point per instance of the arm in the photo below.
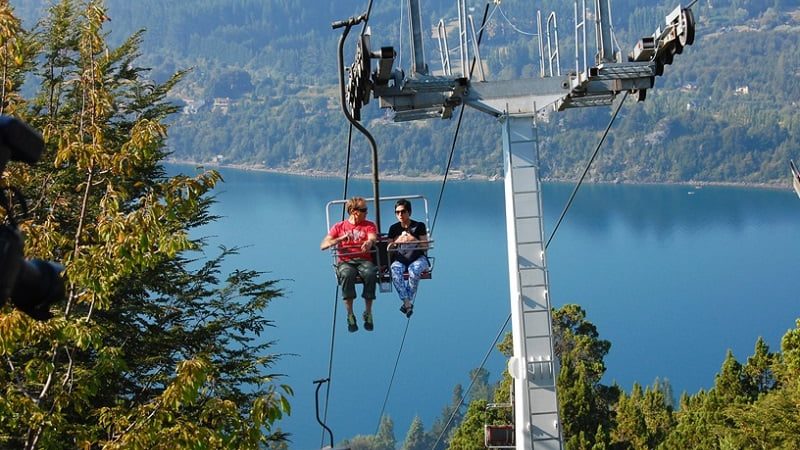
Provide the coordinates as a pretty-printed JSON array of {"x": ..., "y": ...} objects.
[
  {"x": 329, "y": 241},
  {"x": 392, "y": 236},
  {"x": 372, "y": 238},
  {"x": 423, "y": 242}
]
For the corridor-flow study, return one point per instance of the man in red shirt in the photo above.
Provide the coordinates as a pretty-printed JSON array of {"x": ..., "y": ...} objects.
[{"x": 354, "y": 239}]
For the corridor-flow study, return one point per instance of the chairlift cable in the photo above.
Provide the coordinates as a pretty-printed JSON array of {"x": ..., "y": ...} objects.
[
  {"x": 430, "y": 232},
  {"x": 391, "y": 380},
  {"x": 353, "y": 123},
  {"x": 586, "y": 170},
  {"x": 400, "y": 38},
  {"x": 461, "y": 402},
  {"x": 514, "y": 27},
  {"x": 336, "y": 296},
  {"x": 563, "y": 213},
  {"x": 433, "y": 224},
  {"x": 458, "y": 127},
  {"x": 366, "y": 18}
]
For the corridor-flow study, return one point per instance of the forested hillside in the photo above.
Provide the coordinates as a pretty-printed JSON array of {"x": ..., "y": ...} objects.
[{"x": 723, "y": 112}]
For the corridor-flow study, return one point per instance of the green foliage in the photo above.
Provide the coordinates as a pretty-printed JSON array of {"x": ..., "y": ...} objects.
[
  {"x": 644, "y": 418},
  {"x": 752, "y": 406},
  {"x": 150, "y": 348},
  {"x": 383, "y": 440},
  {"x": 444, "y": 426},
  {"x": 584, "y": 402},
  {"x": 470, "y": 434},
  {"x": 416, "y": 438},
  {"x": 232, "y": 84}
]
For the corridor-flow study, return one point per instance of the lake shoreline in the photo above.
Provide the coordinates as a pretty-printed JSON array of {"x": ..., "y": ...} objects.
[{"x": 458, "y": 176}]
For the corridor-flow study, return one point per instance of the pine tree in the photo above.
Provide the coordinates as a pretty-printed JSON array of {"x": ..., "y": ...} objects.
[
  {"x": 415, "y": 438},
  {"x": 729, "y": 382},
  {"x": 758, "y": 374},
  {"x": 451, "y": 416},
  {"x": 584, "y": 402},
  {"x": 385, "y": 439}
]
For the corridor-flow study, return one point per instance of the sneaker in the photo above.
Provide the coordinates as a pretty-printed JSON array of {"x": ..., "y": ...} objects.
[
  {"x": 368, "y": 325},
  {"x": 407, "y": 310},
  {"x": 352, "y": 326}
]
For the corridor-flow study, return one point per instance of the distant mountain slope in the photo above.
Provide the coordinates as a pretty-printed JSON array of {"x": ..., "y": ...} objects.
[{"x": 723, "y": 112}]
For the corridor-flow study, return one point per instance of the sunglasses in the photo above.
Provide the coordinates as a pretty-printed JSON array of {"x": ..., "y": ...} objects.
[
  {"x": 400, "y": 211},
  {"x": 363, "y": 210}
]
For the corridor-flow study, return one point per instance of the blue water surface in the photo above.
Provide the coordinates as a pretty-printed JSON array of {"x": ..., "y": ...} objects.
[{"x": 673, "y": 276}]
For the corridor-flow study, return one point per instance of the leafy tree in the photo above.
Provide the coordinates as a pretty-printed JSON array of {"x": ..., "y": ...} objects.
[
  {"x": 480, "y": 385},
  {"x": 470, "y": 434},
  {"x": 698, "y": 420},
  {"x": 750, "y": 406},
  {"x": 771, "y": 421},
  {"x": 584, "y": 402},
  {"x": 150, "y": 348},
  {"x": 16, "y": 54}
]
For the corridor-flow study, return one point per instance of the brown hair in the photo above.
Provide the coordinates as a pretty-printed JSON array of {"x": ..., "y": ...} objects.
[{"x": 353, "y": 203}]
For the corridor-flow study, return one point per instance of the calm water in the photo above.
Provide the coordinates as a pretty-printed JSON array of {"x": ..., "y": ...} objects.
[{"x": 673, "y": 280}]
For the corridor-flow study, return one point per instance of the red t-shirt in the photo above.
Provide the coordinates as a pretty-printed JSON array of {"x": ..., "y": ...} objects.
[{"x": 351, "y": 248}]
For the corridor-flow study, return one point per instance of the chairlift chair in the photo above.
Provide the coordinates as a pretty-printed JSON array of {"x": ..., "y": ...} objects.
[
  {"x": 500, "y": 436},
  {"x": 381, "y": 254}
]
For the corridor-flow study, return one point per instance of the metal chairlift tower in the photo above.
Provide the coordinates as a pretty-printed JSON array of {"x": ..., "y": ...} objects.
[{"x": 515, "y": 103}]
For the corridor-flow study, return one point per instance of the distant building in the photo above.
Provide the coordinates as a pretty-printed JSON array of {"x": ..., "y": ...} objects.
[
  {"x": 192, "y": 106},
  {"x": 221, "y": 104}
]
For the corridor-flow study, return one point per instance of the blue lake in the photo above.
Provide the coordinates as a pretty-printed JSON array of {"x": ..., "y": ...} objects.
[{"x": 672, "y": 279}]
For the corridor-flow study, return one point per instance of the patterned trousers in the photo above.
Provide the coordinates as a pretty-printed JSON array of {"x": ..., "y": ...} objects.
[{"x": 407, "y": 289}]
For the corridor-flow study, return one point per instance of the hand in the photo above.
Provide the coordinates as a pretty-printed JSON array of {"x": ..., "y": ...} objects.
[{"x": 366, "y": 246}]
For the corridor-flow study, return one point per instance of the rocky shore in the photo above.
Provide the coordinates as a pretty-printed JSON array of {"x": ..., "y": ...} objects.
[{"x": 455, "y": 175}]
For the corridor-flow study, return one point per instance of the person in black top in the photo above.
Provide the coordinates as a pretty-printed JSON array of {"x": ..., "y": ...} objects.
[{"x": 407, "y": 251}]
